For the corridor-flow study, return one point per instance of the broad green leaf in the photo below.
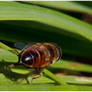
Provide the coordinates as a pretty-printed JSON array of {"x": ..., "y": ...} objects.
[
  {"x": 69, "y": 25},
  {"x": 70, "y": 6},
  {"x": 25, "y": 33}
]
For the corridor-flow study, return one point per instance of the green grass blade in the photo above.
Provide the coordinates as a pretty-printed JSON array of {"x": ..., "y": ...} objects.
[
  {"x": 44, "y": 87},
  {"x": 85, "y": 3},
  {"x": 73, "y": 65},
  {"x": 69, "y": 6},
  {"x": 77, "y": 79},
  {"x": 53, "y": 77},
  {"x": 8, "y": 48},
  {"x": 16, "y": 87}
]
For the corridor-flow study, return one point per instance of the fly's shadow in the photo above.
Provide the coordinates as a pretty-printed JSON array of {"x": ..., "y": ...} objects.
[{"x": 13, "y": 76}]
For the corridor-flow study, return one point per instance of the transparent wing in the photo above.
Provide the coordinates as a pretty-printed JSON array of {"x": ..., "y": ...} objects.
[{"x": 23, "y": 45}]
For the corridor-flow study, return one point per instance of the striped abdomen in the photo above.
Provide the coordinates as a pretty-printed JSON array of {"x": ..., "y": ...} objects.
[{"x": 40, "y": 55}]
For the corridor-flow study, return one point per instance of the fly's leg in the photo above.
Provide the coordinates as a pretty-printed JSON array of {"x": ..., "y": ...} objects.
[{"x": 37, "y": 75}]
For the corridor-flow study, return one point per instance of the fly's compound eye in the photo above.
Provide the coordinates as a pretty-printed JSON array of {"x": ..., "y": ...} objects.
[{"x": 27, "y": 59}]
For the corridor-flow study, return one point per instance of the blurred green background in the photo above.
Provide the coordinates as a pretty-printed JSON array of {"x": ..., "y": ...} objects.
[{"x": 68, "y": 24}]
